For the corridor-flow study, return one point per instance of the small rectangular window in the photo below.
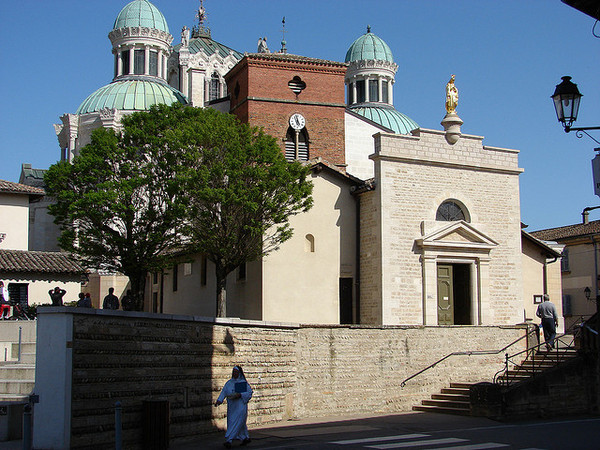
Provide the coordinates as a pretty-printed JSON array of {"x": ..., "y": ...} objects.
[
  {"x": 203, "y": 271},
  {"x": 384, "y": 92},
  {"x": 360, "y": 91},
  {"x": 125, "y": 62},
  {"x": 140, "y": 62},
  {"x": 153, "y": 63},
  {"x": 155, "y": 278},
  {"x": 564, "y": 261},
  {"x": 241, "y": 272},
  {"x": 175, "y": 277},
  {"x": 373, "y": 91},
  {"x": 350, "y": 93},
  {"x": 18, "y": 293}
]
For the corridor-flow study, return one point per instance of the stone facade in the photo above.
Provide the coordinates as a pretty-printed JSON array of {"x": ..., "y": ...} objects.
[
  {"x": 88, "y": 360},
  {"x": 416, "y": 174}
]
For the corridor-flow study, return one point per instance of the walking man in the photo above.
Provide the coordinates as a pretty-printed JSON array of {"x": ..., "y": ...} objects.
[{"x": 547, "y": 312}]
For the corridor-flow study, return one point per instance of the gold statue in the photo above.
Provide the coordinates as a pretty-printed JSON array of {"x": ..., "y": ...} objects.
[{"x": 451, "y": 96}]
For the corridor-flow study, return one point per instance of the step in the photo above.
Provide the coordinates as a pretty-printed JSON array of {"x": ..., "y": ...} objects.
[
  {"x": 456, "y": 391},
  {"x": 16, "y": 387},
  {"x": 17, "y": 372},
  {"x": 14, "y": 397},
  {"x": 451, "y": 397},
  {"x": 447, "y": 404},
  {"x": 433, "y": 409},
  {"x": 461, "y": 385},
  {"x": 26, "y": 347}
]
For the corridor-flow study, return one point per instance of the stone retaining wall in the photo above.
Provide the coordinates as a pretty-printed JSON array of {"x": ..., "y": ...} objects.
[{"x": 88, "y": 360}]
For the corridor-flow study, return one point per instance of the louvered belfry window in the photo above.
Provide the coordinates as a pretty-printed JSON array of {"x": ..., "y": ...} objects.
[{"x": 290, "y": 145}]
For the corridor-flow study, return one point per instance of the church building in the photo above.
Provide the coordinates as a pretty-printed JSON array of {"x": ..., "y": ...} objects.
[{"x": 410, "y": 226}]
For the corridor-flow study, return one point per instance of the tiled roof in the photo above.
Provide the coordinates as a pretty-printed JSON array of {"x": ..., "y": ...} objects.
[
  {"x": 568, "y": 231},
  {"x": 38, "y": 262},
  {"x": 17, "y": 188}
]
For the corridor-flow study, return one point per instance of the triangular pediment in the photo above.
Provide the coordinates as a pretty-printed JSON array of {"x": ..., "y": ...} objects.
[{"x": 457, "y": 234}]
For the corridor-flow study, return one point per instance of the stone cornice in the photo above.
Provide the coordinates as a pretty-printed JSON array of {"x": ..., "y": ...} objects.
[{"x": 139, "y": 32}]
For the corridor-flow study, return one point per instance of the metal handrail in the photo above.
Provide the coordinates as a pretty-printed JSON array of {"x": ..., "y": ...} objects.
[
  {"x": 467, "y": 353},
  {"x": 567, "y": 339}
]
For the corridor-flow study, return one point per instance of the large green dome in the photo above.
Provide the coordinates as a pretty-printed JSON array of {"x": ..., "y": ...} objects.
[
  {"x": 141, "y": 13},
  {"x": 131, "y": 95},
  {"x": 388, "y": 117},
  {"x": 369, "y": 47}
]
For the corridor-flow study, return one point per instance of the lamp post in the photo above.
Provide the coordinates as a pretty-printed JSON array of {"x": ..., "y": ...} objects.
[{"x": 566, "y": 99}]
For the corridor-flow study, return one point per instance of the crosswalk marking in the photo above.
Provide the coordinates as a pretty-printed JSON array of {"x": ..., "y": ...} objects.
[
  {"x": 418, "y": 443},
  {"x": 380, "y": 439},
  {"x": 475, "y": 446}
]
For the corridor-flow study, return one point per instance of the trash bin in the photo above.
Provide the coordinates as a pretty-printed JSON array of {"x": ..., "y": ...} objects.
[{"x": 156, "y": 418}]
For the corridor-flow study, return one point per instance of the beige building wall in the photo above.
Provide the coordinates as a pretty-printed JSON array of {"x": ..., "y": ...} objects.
[
  {"x": 540, "y": 269},
  {"x": 14, "y": 221},
  {"x": 582, "y": 269},
  {"x": 414, "y": 175},
  {"x": 298, "y": 282},
  {"x": 301, "y": 279}
]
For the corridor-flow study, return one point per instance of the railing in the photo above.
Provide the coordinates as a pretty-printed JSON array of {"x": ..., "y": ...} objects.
[
  {"x": 579, "y": 331},
  {"x": 472, "y": 353}
]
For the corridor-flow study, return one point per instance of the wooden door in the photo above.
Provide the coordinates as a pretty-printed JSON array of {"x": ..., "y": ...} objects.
[{"x": 445, "y": 295}]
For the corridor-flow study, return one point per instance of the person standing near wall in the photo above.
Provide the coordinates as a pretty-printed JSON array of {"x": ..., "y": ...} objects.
[
  {"x": 111, "y": 301},
  {"x": 238, "y": 393},
  {"x": 547, "y": 312},
  {"x": 4, "y": 303},
  {"x": 56, "y": 296}
]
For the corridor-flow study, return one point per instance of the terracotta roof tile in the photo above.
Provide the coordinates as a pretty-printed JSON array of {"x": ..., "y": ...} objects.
[
  {"x": 568, "y": 231},
  {"x": 17, "y": 188},
  {"x": 39, "y": 262}
]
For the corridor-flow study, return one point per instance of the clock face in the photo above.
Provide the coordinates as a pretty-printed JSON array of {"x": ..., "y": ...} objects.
[{"x": 297, "y": 121}]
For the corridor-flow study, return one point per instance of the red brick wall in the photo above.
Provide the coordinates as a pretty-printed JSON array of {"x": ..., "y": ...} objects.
[{"x": 265, "y": 100}]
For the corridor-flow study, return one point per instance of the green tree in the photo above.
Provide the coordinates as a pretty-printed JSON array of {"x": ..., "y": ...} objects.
[
  {"x": 120, "y": 204},
  {"x": 242, "y": 193},
  {"x": 176, "y": 179}
]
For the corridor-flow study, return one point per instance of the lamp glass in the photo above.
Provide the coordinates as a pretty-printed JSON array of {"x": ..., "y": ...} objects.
[{"x": 566, "y": 101}]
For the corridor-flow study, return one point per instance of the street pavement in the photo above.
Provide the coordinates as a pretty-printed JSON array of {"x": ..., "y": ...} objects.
[
  {"x": 416, "y": 430},
  {"x": 407, "y": 431}
]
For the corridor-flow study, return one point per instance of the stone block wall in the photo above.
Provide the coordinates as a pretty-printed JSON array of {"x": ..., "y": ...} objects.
[{"x": 87, "y": 361}]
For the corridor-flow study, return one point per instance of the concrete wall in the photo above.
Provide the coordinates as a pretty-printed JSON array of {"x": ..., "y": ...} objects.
[{"x": 88, "y": 360}]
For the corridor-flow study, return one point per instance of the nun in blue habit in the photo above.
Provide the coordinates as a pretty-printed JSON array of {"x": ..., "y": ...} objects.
[{"x": 238, "y": 393}]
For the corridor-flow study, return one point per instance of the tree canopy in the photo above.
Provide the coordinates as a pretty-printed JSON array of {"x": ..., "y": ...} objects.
[{"x": 176, "y": 178}]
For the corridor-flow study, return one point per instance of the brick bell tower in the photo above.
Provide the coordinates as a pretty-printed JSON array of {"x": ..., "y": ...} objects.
[{"x": 298, "y": 100}]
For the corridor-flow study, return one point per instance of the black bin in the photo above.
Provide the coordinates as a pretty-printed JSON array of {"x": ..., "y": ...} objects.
[{"x": 155, "y": 419}]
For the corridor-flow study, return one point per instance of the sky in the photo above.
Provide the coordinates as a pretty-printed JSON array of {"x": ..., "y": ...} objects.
[{"x": 507, "y": 56}]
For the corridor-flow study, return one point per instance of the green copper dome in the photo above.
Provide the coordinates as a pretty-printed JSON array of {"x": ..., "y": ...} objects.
[
  {"x": 387, "y": 117},
  {"x": 369, "y": 46},
  {"x": 131, "y": 95},
  {"x": 141, "y": 13}
]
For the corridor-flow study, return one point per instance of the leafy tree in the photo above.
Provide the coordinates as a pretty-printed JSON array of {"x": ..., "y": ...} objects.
[
  {"x": 242, "y": 192},
  {"x": 120, "y": 204},
  {"x": 176, "y": 179}
]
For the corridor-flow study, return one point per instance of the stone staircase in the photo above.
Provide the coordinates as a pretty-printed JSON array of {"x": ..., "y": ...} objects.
[
  {"x": 17, "y": 372},
  {"x": 456, "y": 398},
  {"x": 17, "y": 378}
]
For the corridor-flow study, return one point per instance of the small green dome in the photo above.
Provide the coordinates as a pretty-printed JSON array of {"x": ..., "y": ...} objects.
[
  {"x": 369, "y": 47},
  {"x": 141, "y": 13},
  {"x": 131, "y": 95},
  {"x": 387, "y": 117}
]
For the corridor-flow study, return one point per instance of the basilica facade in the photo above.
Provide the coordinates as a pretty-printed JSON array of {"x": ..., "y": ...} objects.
[{"x": 410, "y": 226}]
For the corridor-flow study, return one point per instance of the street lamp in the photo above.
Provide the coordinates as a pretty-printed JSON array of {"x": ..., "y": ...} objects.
[{"x": 566, "y": 103}]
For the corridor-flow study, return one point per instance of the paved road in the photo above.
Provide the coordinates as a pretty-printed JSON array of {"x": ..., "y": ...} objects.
[
  {"x": 409, "y": 431},
  {"x": 419, "y": 431}
]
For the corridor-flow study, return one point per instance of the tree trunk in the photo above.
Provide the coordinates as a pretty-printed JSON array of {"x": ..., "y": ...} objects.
[
  {"x": 138, "y": 285},
  {"x": 221, "y": 292}
]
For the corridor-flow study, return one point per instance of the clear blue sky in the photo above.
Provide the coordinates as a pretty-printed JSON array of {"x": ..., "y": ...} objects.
[{"x": 507, "y": 56}]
